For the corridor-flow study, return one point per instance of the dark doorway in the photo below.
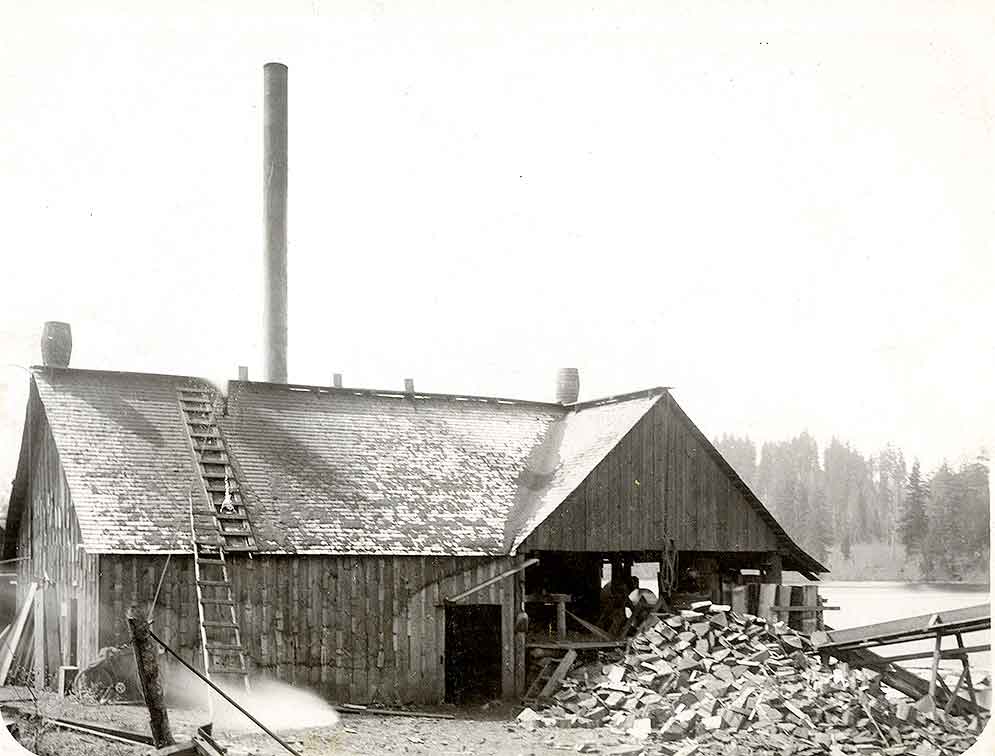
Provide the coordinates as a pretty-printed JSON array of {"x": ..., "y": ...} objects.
[{"x": 473, "y": 653}]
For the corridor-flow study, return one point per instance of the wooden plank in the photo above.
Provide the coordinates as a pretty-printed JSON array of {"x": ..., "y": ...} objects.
[
  {"x": 395, "y": 628},
  {"x": 556, "y": 679},
  {"x": 593, "y": 629},
  {"x": 505, "y": 597},
  {"x": 491, "y": 581},
  {"x": 53, "y": 634},
  {"x": 936, "y": 664},
  {"x": 13, "y": 638},
  {"x": 909, "y": 627},
  {"x": 967, "y": 670},
  {"x": 39, "y": 639},
  {"x": 341, "y": 624},
  {"x": 806, "y": 608}
]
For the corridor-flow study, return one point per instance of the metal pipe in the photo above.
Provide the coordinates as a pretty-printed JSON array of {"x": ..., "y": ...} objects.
[
  {"x": 224, "y": 695},
  {"x": 275, "y": 220}
]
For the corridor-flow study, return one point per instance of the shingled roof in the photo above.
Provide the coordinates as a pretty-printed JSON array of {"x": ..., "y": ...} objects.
[
  {"x": 325, "y": 470},
  {"x": 330, "y": 470}
]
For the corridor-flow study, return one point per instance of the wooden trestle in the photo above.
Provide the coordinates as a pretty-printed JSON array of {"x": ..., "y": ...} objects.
[{"x": 853, "y": 645}]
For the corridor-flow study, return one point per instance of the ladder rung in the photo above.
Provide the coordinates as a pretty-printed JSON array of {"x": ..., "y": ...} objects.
[
  {"x": 202, "y": 560},
  {"x": 227, "y": 625},
  {"x": 235, "y": 648},
  {"x": 212, "y": 475},
  {"x": 228, "y": 602},
  {"x": 230, "y": 516},
  {"x": 236, "y": 534},
  {"x": 214, "y": 582}
]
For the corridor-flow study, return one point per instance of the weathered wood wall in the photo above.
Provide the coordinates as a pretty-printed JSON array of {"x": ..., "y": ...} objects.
[
  {"x": 358, "y": 629},
  {"x": 49, "y": 534},
  {"x": 659, "y": 483}
]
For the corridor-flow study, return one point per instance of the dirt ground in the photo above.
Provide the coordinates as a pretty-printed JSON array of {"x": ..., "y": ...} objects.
[{"x": 484, "y": 732}]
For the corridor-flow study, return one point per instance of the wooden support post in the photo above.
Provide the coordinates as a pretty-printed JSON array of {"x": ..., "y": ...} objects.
[
  {"x": 146, "y": 659},
  {"x": 768, "y": 596},
  {"x": 956, "y": 690},
  {"x": 967, "y": 675},
  {"x": 935, "y": 669},
  {"x": 561, "y": 619},
  {"x": 772, "y": 570},
  {"x": 739, "y": 599}
]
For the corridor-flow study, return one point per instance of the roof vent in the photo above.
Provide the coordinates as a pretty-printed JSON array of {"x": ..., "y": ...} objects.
[
  {"x": 567, "y": 385},
  {"x": 56, "y": 344},
  {"x": 409, "y": 385},
  {"x": 337, "y": 380}
]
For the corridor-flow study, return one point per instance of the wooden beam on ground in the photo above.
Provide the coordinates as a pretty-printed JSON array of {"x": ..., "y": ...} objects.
[
  {"x": 357, "y": 709},
  {"x": 12, "y": 639},
  {"x": 496, "y": 578}
]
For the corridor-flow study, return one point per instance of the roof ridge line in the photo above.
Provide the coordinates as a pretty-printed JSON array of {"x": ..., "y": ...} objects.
[
  {"x": 134, "y": 373},
  {"x": 456, "y": 396}
]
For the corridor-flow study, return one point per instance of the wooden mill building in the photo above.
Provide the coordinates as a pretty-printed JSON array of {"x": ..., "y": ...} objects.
[{"x": 369, "y": 511}]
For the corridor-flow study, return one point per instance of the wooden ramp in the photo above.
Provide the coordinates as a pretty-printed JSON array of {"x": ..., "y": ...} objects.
[{"x": 852, "y": 645}]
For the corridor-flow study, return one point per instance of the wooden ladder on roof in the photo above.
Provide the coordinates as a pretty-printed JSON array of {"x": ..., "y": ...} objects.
[{"x": 222, "y": 527}]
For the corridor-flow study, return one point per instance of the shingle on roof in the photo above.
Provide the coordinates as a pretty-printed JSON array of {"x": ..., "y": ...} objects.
[
  {"x": 340, "y": 471},
  {"x": 324, "y": 470},
  {"x": 125, "y": 453},
  {"x": 333, "y": 470}
]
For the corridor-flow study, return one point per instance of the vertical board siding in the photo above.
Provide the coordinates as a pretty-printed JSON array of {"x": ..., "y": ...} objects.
[
  {"x": 358, "y": 629},
  {"x": 660, "y": 482},
  {"x": 49, "y": 534}
]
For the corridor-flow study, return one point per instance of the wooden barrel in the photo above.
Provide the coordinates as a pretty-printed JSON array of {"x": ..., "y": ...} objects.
[
  {"x": 567, "y": 385},
  {"x": 56, "y": 344}
]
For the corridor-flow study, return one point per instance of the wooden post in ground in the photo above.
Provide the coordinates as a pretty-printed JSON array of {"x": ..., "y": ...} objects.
[
  {"x": 146, "y": 658},
  {"x": 935, "y": 670}
]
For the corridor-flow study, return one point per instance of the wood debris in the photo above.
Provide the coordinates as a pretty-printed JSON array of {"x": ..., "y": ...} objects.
[{"x": 711, "y": 681}]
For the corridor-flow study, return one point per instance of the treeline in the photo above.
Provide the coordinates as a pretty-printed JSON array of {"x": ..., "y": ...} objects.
[{"x": 933, "y": 528}]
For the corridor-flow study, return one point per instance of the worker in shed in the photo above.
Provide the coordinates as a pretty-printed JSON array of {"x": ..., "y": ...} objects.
[
  {"x": 615, "y": 602},
  {"x": 613, "y": 596}
]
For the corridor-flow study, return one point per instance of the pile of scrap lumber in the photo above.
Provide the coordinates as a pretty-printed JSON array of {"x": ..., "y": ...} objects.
[{"x": 710, "y": 681}]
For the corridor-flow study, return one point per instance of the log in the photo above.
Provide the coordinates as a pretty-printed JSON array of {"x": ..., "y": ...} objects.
[{"x": 147, "y": 662}]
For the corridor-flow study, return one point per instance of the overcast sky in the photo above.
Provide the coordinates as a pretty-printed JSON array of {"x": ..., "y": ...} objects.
[{"x": 783, "y": 210}]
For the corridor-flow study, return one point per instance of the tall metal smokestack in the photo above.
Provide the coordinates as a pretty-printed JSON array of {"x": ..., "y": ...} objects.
[{"x": 275, "y": 220}]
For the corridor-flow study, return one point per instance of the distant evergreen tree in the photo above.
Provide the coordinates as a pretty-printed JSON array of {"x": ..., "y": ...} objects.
[
  {"x": 913, "y": 523},
  {"x": 741, "y": 453}
]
